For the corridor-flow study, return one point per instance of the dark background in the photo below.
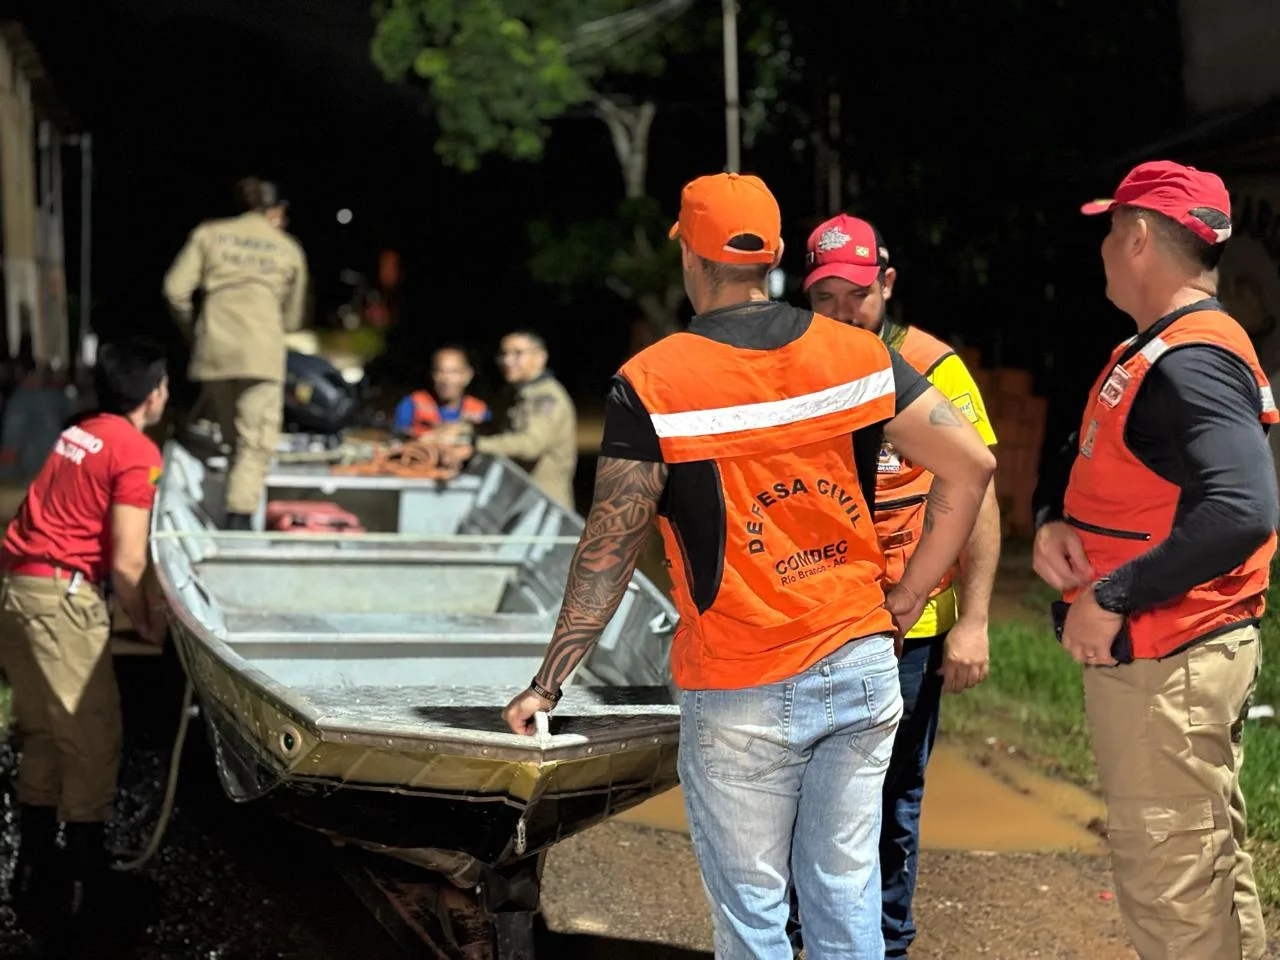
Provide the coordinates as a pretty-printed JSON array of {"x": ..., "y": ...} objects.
[{"x": 972, "y": 136}]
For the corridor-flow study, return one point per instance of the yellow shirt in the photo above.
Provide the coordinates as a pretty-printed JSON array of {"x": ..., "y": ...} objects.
[{"x": 953, "y": 379}]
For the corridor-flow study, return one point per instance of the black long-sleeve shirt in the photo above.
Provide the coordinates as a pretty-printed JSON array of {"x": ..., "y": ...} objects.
[{"x": 1194, "y": 422}]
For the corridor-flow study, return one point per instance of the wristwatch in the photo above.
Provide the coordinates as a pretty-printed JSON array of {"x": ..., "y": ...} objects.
[{"x": 1111, "y": 595}]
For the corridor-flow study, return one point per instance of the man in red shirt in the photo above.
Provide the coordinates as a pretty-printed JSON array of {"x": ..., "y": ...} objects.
[{"x": 82, "y": 527}]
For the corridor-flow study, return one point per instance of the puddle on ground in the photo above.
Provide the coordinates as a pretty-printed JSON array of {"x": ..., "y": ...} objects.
[{"x": 1004, "y": 807}]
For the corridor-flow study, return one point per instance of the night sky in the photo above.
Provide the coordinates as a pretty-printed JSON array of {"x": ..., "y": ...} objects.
[{"x": 975, "y": 135}]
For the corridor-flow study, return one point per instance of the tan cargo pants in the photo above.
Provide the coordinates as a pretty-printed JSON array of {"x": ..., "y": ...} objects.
[
  {"x": 54, "y": 650},
  {"x": 249, "y": 414},
  {"x": 1167, "y": 737}
]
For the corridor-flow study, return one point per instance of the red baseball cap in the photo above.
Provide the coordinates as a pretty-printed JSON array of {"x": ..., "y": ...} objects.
[
  {"x": 845, "y": 247},
  {"x": 719, "y": 209},
  {"x": 1194, "y": 198}
]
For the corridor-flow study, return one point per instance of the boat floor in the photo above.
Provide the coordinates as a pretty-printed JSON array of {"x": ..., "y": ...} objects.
[{"x": 584, "y": 711}]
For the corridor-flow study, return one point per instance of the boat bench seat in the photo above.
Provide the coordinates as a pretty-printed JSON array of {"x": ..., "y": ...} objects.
[{"x": 250, "y": 626}]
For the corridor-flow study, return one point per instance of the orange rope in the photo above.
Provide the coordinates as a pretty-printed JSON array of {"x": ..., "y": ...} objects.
[{"x": 419, "y": 460}]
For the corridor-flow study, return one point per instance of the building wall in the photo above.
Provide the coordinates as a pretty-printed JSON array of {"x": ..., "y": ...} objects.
[
  {"x": 18, "y": 203},
  {"x": 1229, "y": 52},
  {"x": 31, "y": 228},
  {"x": 1249, "y": 274}
]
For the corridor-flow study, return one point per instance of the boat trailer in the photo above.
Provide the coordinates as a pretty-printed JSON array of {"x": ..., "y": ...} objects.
[{"x": 432, "y": 918}]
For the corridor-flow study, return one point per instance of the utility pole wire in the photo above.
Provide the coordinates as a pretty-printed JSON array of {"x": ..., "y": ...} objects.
[{"x": 620, "y": 27}]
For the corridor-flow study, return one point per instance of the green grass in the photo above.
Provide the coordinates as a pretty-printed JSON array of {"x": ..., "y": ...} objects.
[
  {"x": 1261, "y": 774},
  {"x": 1033, "y": 700}
]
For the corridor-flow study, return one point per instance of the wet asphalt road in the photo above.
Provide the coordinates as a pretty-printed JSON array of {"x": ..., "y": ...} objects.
[{"x": 229, "y": 882}]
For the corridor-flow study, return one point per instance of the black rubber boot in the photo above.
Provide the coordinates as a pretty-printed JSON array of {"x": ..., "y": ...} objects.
[
  {"x": 101, "y": 907},
  {"x": 238, "y": 521},
  {"x": 87, "y": 867},
  {"x": 37, "y": 875}
]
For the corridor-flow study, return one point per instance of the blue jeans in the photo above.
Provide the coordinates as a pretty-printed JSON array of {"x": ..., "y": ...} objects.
[
  {"x": 904, "y": 789},
  {"x": 903, "y": 794},
  {"x": 782, "y": 783}
]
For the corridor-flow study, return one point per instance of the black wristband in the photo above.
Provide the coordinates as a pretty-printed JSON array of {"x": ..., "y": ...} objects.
[
  {"x": 544, "y": 693},
  {"x": 1111, "y": 595}
]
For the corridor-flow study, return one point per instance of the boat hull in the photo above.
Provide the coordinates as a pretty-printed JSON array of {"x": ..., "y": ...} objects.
[
  {"x": 406, "y": 796},
  {"x": 367, "y": 724}
]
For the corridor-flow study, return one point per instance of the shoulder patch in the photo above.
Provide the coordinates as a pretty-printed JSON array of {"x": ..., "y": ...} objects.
[
  {"x": 964, "y": 403},
  {"x": 153, "y": 475},
  {"x": 542, "y": 405}
]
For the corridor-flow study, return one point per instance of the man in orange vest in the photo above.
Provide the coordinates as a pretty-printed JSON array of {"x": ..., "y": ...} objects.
[
  {"x": 451, "y": 373},
  {"x": 753, "y": 438},
  {"x": 850, "y": 280},
  {"x": 1161, "y": 539}
]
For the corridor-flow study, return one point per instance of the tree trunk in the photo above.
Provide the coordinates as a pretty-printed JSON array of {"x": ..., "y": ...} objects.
[
  {"x": 660, "y": 309},
  {"x": 629, "y": 127}
]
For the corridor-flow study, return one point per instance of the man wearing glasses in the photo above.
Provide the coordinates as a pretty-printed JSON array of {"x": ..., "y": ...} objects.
[{"x": 541, "y": 431}]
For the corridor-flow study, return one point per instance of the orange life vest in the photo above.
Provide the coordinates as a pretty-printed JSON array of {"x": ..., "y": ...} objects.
[
  {"x": 801, "y": 566},
  {"x": 1120, "y": 508},
  {"x": 426, "y": 412},
  {"x": 902, "y": 487}
]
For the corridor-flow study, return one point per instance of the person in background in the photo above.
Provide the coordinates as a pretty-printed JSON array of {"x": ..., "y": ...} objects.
[
  {"x": 1159, "y": 529},
  {"x": 33, "y": 417},
  {"x": 447, "y": 402},
  {"x": 752, "y": 438},
  {"x": 254, "y": 278},
  {"x": 278, "y": 216},
  {"x": 541, "y": 432},
  {"x": 850, "y": 280},
  {"x": 81, "y": 530}
]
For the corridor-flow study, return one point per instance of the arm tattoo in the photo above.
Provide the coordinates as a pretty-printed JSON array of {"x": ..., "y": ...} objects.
[
  {"x": 943, "y": 415},
  {"x": 937, "y": 503},
  {"x": 626, "y": 499}
]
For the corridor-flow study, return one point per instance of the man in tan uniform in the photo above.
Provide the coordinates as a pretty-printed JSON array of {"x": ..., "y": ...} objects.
[
  {"x": 254, "y": 278},
  {"x": 542, "y": 426}
]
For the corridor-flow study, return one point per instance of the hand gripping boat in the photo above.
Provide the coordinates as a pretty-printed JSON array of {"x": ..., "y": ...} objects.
[{"x": 354, "y": 683}]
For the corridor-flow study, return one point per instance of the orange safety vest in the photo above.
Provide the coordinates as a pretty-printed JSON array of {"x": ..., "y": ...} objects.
[
  {"x": 801, "y": 566},
  {"x": 426, "y": 412},
  {"x": 902, "y": 487},
  {"x": 1121, "y": 509}
]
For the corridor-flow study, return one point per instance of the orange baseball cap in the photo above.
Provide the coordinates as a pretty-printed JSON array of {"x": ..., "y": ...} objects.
[{"x": 730, "y": 218}]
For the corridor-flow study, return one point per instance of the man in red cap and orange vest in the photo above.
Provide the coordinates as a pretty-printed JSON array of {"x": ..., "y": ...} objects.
[
  {"x": 1161, "y": 540},
  {"x": 850, "y": 280},
  {"x": 753, "y": 438}
]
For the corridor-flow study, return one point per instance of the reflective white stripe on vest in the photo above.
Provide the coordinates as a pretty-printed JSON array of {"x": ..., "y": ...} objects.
[
  {"x": 1154, "y": 350},
  {"x": 775, "y": 413},
  {"x": 1157, "y": 348}
]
